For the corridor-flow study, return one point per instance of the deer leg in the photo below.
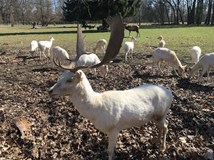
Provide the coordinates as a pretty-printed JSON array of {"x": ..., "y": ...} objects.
[
  {"x": 49, "y": 54},
  {"x": 208, "y": 74},
  {"x": 138, "y": 34},
  {"x": 163, "y": 130},
  {"x": 155, "y": 63},
  {"x": 40, "y": 55},
  {"x": 112, "y": 139},
  {"x": 131, "y": 54},
  {"x": 43, "y": 52},
  {"x": 126, "y": 55},
  {"x": 205, "y": 69},
  {"x": 159, "y": 67}
]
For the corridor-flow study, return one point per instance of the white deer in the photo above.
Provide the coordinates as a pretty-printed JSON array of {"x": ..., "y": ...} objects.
[
  {"x": 129, "y": 48},
  {"x": 206, "y": 62},
  {"x": 113, "y": 111},
  {"x": 45, "y": 45}
]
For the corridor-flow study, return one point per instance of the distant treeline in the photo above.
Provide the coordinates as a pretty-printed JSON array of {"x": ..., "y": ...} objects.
[{"x": 44, "y": 12}]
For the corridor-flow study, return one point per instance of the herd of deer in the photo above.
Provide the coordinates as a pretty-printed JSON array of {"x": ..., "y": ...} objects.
[{"x": 113, "y": 111}]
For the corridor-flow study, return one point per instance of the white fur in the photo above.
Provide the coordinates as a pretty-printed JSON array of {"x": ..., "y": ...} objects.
[
  {"x": 162, "y": 42},
  {"x": 100, "y": 45},
  {"x": 206, "y": 62},
  {"x": 113, "y": 111},
  {"x": 43, "y": 45},
  {"x": 34, "y": 46},
  {"x": 165, "y": 54},
  {"x": 60, "y": 54},
  {"x": 90, "y": 60},
  {"x": 195, "y": 54},
  {"x": 129, "y": 47}
]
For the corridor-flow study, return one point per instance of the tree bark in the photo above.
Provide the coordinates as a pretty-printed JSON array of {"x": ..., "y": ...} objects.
[
  {"x": 208, "y": 16},
  {"x": 212, "y": 21},
  {"x": 199, "y": 12},
  {"x": 191, "y": 13},
  {"x": 173, "y": 10}
]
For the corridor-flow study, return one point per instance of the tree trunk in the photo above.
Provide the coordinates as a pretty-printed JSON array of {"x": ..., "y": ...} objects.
[
  {"x": 173, "y": 11},
  {"x": 199, "y": 12},
  {"x": 212, "y": 21},
  {"x": 181, "y": 16},
  {"x": 191, "y": 13},
  {"x": 167, "y": 15},
  {"x": 208, "y": 16}
]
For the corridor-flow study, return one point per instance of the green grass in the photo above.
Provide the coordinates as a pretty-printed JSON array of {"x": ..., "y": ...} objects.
[
  {"x": 178, "y": 38},
  {"x": 181, "y": 39}
]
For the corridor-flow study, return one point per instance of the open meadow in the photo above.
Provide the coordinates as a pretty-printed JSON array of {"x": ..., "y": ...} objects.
[
  {"x": 178, "y": 38},
  {"x": 56, "y": 129}
]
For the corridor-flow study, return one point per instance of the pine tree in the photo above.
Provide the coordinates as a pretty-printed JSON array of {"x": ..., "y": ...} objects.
[{"x": 82, "y": 10}]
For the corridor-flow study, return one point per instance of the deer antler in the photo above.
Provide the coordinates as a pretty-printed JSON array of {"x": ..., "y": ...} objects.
[
  {"x": 116, "y": 39},
  {"x": 70, "y": 67},
  {"x": 113, "y": 48},
  {"x": 80, "y": 45}
]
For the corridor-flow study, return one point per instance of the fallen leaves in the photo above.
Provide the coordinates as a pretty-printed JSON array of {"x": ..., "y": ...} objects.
[
  {"x": 60, "y": 132},
  {"x": 24, "y": 127}
]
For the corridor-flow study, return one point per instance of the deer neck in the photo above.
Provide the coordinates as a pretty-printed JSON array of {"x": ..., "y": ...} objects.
[
  {"x": 51, "y": 41},
  {"x": 86, "y": 100}
]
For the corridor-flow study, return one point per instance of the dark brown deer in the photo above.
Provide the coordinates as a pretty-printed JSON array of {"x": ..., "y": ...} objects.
[{"x": 132, "y": 27}]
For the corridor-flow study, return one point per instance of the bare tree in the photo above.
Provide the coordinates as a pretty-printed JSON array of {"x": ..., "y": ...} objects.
[
  {"x": 5, "y": 10},
  {"x": 44, "y": 11},
  {"x": 26, "y": 13}
]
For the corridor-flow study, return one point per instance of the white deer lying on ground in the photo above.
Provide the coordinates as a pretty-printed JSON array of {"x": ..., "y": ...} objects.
[
  {"x": 195, "y": 54},
  {"x": 100, "y": 45},
  {"x": 206, "y": 62},
  {"x": 113, "y": 111},
  {"x": 45, "y": 45},
  {"x": 165, "y": 54}
]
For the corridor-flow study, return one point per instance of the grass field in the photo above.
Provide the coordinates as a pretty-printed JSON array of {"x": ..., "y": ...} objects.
[
  {"x": 53, "y": 127},
  {"x": 178, "y": 38}
]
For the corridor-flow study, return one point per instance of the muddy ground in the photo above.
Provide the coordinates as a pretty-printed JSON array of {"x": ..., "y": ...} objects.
[{"x": 56, "y": 130}]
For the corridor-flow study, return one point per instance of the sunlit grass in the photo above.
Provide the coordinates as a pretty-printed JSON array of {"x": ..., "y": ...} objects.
[{"x": 181, "y": 39}]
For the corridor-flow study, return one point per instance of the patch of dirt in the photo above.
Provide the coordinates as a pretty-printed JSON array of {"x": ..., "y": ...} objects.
[{"x": 58, "y": 131}]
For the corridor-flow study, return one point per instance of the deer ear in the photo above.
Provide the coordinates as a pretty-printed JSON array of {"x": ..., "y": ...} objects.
[{"x": 78, "y": 76}]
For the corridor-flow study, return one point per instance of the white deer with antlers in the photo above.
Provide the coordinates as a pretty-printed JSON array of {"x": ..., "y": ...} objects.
[{"x": 109, "y": 111}]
